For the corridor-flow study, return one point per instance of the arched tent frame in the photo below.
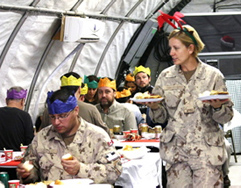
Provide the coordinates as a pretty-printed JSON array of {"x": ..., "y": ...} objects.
[{"x": 31, "y": 58}]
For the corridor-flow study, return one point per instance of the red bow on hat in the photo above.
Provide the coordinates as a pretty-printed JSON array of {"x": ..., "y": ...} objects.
[{"x": 167, "y": 18}]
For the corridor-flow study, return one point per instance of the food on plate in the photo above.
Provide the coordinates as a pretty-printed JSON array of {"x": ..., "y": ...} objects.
[
  {"x": 129, "y": 148},
  {"x": 67, "y": 156},
  {"x": 43, "y": 184},
  {"x": 58, "y": 182},
  {"x": 132, "y": 137},
  {"x": 18, "y": 158},
  {"x": 146, "y": 95},
  {"x": 153, "y": 97},
  {"x": 140, "y": 95},
  {"x": 213, "y": 92},
  {"x": 27, "y": 165}
]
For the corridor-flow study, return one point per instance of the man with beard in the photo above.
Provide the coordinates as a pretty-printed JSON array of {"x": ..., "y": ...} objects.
[
  {"x": 143, "y": 80},
  {"x": 112, "y": 112}
]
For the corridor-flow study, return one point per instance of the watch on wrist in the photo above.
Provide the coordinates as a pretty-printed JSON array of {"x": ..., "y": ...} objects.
[{"x": 217, "y": 109}]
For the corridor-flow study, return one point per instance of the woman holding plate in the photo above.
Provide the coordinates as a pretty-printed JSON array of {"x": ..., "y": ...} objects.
[{"x": 192, "y": 143}]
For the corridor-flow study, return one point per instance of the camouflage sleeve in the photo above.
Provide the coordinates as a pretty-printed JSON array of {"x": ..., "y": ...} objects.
[
  {"x": 29, "y": 156},
  {"x": 107, "y": 166},
  {"x": 225, "y": 114},
  {"x": 160, "y": 115}
]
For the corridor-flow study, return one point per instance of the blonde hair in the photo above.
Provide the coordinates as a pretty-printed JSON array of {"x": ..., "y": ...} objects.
[{"x": 191, "y": 37}]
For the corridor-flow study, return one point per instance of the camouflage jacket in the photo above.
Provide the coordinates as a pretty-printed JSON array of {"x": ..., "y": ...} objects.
[
  {"x": 90, "y": 146},
  {"x": 193, "y": 126}
]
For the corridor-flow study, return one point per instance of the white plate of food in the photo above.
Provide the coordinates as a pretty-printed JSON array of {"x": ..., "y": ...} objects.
[
  {"x": 71, "y": 183},
  {"x": 211, "y": 97},
  {"x": 146, "y": 97},
  {"x": 146, "y": 100},
  {"x": 130, "y": 152}
]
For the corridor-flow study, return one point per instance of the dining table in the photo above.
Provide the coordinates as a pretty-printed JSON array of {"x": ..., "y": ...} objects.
[
  {"x": 141, "y": 172},
  {"x": 137, "y": 143},
  {"x": 136, "y": 173}
]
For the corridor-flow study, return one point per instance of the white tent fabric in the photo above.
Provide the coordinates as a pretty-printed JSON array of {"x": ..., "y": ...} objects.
[{"x": 29, "y": 56}]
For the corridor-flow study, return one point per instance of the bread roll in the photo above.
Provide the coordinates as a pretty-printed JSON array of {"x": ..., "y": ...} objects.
[
  {"x": 27, "y": 166},
  {"x": 67, "y": 156}
]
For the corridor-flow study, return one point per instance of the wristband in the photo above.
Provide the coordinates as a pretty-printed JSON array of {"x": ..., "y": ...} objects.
[{"x": 217, "y": 109}]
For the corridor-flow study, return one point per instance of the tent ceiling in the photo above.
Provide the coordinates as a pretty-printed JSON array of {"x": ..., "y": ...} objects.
[{"x": 32, "y": 59}]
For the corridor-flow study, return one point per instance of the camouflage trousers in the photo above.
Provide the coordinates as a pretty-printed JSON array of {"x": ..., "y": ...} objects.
[{"x": 183, "y": 176}]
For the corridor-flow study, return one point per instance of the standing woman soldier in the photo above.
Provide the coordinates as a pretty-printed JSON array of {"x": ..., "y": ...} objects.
[{"x": 192, "y": 143}]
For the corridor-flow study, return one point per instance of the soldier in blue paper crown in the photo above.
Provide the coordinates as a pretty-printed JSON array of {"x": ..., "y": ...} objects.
[{"x": 94, "y": 157}]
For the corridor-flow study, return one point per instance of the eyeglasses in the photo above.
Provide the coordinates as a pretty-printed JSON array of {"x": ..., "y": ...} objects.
[{"x": 60, "y": 117}]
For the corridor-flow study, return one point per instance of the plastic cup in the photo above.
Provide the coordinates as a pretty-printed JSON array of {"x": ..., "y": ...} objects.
[
  {"x": 144, "y": 128},
  {"x": 8, "y": 154},
  {"x": 23, "y": 149},
  {"x": 13, "y": 183},
  {"x": 134, "y": 131}
]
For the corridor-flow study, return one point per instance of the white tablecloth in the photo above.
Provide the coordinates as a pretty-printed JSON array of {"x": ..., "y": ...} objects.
[{"x": 141, "y": 173}]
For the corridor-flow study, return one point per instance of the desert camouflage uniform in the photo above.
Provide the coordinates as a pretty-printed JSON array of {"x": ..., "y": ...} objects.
[
  {"x": 192, "y": 137},
  {"x": 90, "y": 146}
]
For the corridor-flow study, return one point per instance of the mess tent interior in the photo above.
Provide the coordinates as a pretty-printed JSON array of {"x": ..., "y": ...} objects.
[{"x": 41, "y": 40}]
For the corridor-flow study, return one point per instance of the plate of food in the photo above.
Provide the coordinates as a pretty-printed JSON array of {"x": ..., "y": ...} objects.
[
  {"x": 146, "y": 97},
  {"x": 210, "y": 95},
  {"x": 71, "y": 183},
  {"x": 17, "y": 155},
  {"x": 130, "y": 152}
]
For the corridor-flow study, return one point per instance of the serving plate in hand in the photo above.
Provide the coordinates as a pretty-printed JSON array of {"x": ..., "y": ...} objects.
[
  {"x": 211, "y": 97},
  {"x": 147, "y": 100}
]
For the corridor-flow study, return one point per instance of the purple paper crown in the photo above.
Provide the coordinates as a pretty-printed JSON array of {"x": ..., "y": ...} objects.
[
  {"x": 14, "y": 94},
  {"x": 59, "y": 107}
]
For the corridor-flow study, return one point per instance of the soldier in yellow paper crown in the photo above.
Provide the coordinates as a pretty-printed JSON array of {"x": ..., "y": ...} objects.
[
  {"x": 142, "y": 79},
  {"x": 112, "y": 112},
  {"x": 84, "y": 91}
]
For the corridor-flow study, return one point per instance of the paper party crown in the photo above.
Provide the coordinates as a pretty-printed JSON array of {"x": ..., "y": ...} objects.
[
  {"x": 84, "y": 90},
  {"x": 142, "y": 69},
  {"x": 14, "y": 94},
  {"x": 70, "y": 81},
  {"x": 122, "y": 94},
  {"x": 130, "y": 78},
  {"x": 105, "y": 82},
  {"x": 59, "y": 107}
]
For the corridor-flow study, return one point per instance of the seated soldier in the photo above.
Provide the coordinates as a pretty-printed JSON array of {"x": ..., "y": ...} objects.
[
  {"x": 130, "y": 83},
  {"x": 94, "y": 156},
  {"x": 112, "y": 112},
  {"x": 92, "y": 83},
  {"x": 142, "y": 79}
]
